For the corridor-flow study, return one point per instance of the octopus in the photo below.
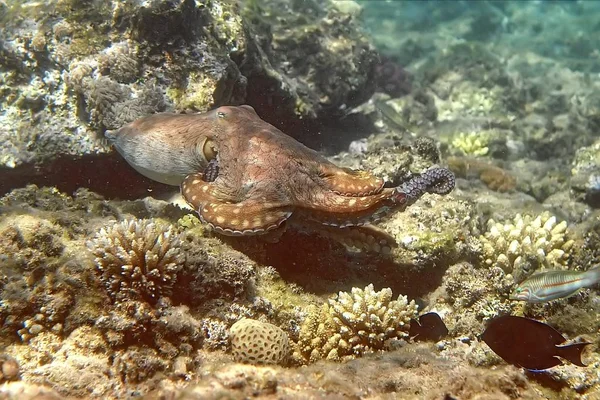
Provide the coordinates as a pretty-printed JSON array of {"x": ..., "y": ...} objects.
[{"x": 245, "y": 177}]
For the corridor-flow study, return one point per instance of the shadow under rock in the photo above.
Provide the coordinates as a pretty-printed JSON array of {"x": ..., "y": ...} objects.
[
  {"x": 106, "y": 174},
  {"x": 321, "y": 266}
]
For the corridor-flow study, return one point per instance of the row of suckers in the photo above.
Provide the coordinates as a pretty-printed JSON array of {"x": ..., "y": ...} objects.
[{"x": 555, "y": 284}]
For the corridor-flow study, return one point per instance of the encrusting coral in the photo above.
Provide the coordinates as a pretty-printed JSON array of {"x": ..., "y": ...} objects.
[
  {"x": 257, "y": 342},
  {"x": 137, "y": 259},
  {"x": 526, "y": 244},
  {"x": 352, "y": 324}
]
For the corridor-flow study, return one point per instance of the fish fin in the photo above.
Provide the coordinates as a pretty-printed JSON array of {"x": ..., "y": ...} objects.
[
  {"x": 573, "y": 293},
  {"x": 572, "y": 353},
  {"x": 414, "y": 328}
]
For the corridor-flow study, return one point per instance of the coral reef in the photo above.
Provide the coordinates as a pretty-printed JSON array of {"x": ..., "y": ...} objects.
[
  {"x": 353, "y": 324},
  {"x": 504, "y": 93},
  {"x": 526, "y": 244},
  {"x": 136, "y": 259},
  {"x": 469, "y": 297},
  {"x": 257, "y": 342},
  {"x": 74, "y": 69}
]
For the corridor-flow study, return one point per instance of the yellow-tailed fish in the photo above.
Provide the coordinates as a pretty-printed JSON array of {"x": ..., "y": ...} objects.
[{"x": 556, "y": 284}]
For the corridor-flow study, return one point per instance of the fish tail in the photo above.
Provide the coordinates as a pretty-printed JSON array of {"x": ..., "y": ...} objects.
[
  {"x": 572, "y": 352},
  {"x": 592, "y": 275}
]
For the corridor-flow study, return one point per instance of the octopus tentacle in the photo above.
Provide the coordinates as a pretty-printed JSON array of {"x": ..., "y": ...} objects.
[
  {"x": 252, "y": 216},
  {"x": 366, "y": 237},
  {"x": 349, "y": 182},
  {"x": 435, "y": 180},
  {"x": 211, "y": 172},
  {"x": 343, "y": 211}
]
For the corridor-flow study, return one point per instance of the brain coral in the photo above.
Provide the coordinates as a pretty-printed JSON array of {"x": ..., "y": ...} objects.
[
  {"x": 137, "y": 259},
  {"x": 526, "y": 244},
  {"x": 257, "y": 342},
  {"x": 352, "y": 324}
]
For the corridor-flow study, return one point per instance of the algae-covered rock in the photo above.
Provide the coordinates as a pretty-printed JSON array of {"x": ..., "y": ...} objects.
[
  {"x": 585, "y": 179},
  {"x": 318, "y": 53},
  {"x": 72, "y": 69}
]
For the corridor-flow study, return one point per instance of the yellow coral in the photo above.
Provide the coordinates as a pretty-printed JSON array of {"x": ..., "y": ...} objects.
[
  {"x": 472, "y": 143},
  {"x": 353, "y": 324},
  {"x": 526, "y": 244}
]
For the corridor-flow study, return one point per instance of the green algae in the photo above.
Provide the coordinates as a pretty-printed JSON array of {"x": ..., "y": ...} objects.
[{"x": 285, "y": 297}]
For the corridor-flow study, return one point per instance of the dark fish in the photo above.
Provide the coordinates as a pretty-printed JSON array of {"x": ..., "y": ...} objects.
[
  {"x": 429, "y": 327},
  {"x": 530, "y": 344}
]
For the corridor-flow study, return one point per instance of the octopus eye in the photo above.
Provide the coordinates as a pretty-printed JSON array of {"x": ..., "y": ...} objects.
[
  {"x": 208, "y": 149},
  {"x": 221, "y": 114}
]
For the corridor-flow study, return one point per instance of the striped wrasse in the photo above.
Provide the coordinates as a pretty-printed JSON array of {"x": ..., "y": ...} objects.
[{"x": 556, "y": 284}]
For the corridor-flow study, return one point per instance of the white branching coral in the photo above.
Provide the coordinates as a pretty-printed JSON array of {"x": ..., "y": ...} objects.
[
  {"x": 353, "y": 324},
  {"x": 137, "y": 259},
  {"x": 526, "y": 244}
]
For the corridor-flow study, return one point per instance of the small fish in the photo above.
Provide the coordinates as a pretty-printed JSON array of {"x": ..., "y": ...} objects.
[
  {"x": 530, "y": 344},
  {"x": 390, "y": 114},
  {"x": 552, "y": 285},
  {"x": 429, "y": 327}
]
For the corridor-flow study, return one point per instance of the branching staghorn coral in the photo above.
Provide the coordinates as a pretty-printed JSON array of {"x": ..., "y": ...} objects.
[
  {"x": 353, "y": 324},
  {"x": 137, "y": 259},
  {"x": 526, "y": 244}
]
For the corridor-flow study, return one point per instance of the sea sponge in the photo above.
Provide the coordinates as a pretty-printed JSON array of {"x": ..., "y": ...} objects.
[
  {"x": 494, "y": 177},
  {"x": 526, "y": 244},
  {"x": 257, "y": 342},
  {"x": 353, "y": 324},
  {"x": 137, "y": 259}
]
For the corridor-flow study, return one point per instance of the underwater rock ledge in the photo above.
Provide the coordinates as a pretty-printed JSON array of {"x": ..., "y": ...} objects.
[{"x": 71, "y": 69}]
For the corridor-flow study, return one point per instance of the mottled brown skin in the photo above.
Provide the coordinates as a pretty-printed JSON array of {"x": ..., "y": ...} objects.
[{"x": 264, "y": 177}]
